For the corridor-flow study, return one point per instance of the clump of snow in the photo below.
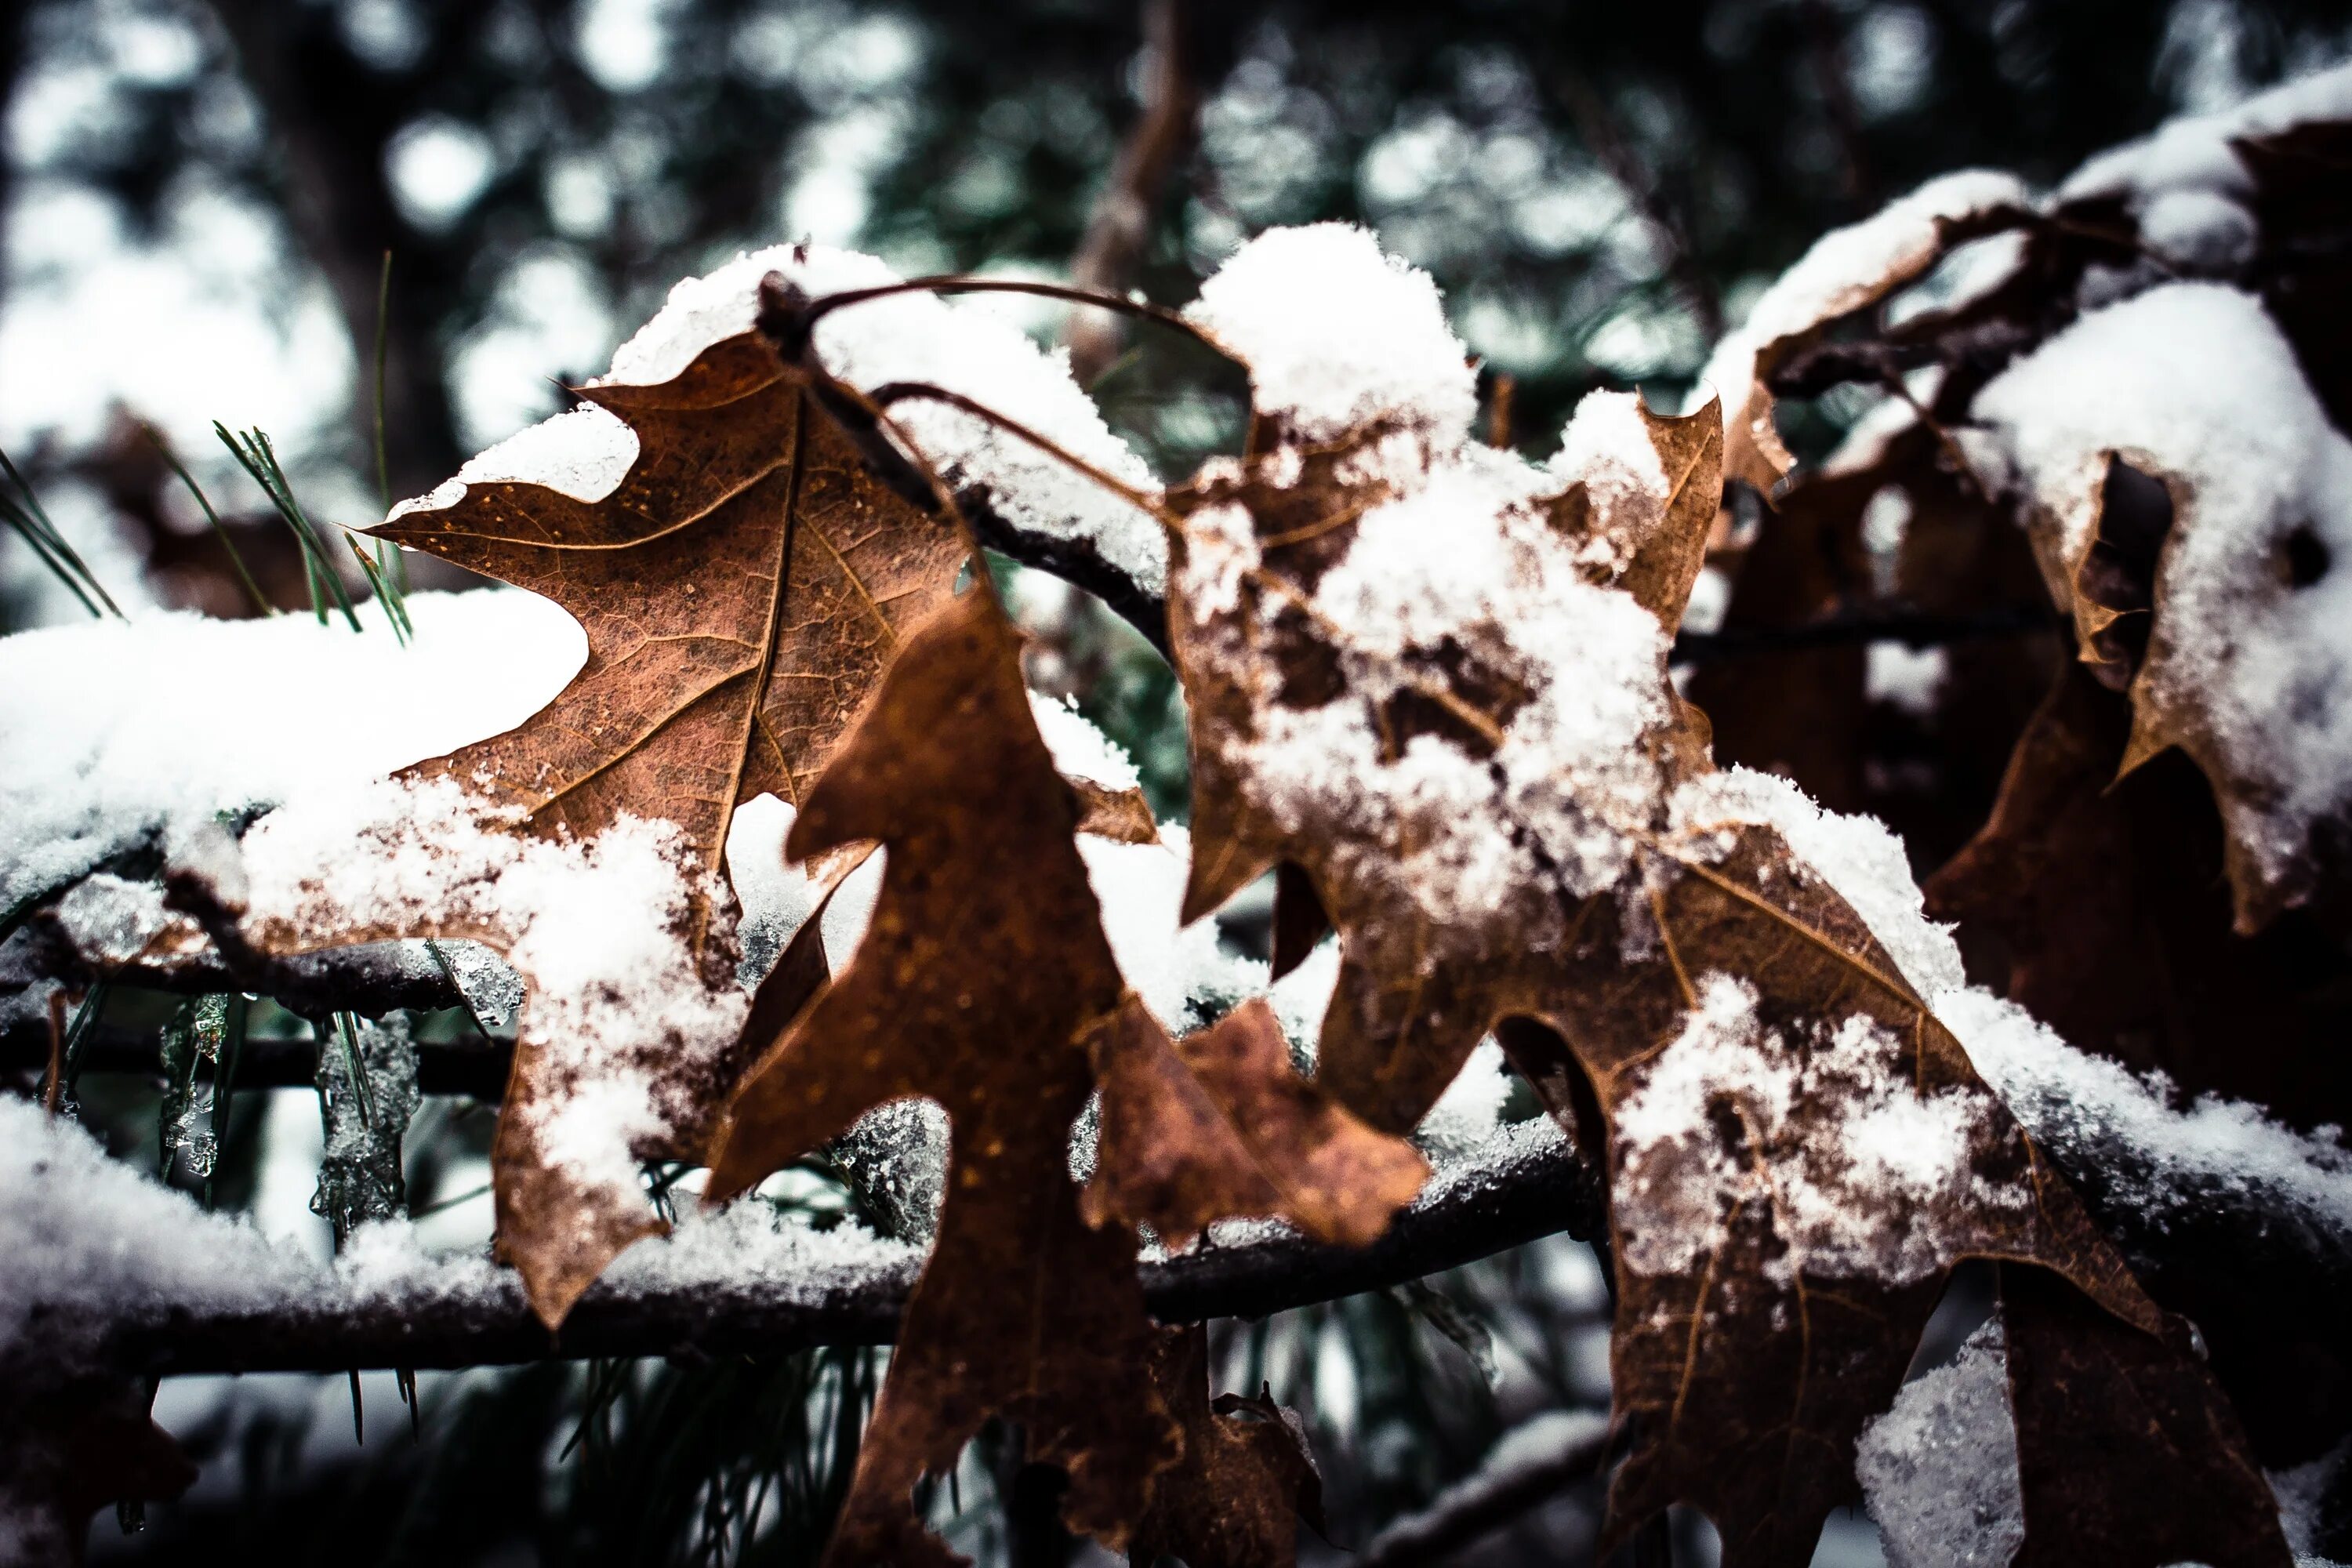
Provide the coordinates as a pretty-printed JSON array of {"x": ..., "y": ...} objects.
[
  {"x": 584, "y": 452},
  {"x": 115, "y": 731},
  {"x": 1079, "y": 749},
  {"x": 1338, "y": 334},
  {"x": 1182, "y": 972},
  {"x": 1466, "y": 1114},
  {"x": 909, "y": 337},
  {"x": 1939, "y": 1470},
  {"x": 1860, "y": 1171},
  {"x": 2194, "y": 383},
  {"x": 1608, "y": 449},
  {"x": 2185, "y": 183}
]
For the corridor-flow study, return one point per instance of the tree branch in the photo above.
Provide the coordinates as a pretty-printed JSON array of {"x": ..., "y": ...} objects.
[{"x": 1532, "y": 1184}]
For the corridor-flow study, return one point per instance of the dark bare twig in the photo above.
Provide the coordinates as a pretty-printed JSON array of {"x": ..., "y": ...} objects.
[
  {"x": 1119, "y": 231},
  {"x": 1596, "y": 123},
  {"x": 1485, "y": 1501}
]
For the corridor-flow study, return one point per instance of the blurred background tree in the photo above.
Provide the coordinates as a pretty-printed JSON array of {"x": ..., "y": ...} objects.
[{"x": 199, "y": 199}]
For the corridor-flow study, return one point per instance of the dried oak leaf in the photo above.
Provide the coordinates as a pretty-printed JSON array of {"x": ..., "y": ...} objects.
[
  {"x": 1217, "y": 1125},
  {"x": 1415, "y": 675},
  {"x": 70, "y": 1445},
  {"x": 614, "y": 1067},
  {"x": 1928, "y": 769},
  {"x": 1246, "y": 1480},
  {"x": 2108, "y": 1420},
  {"x": 1848, "y": 270},
  {"x": 982, "y": 963},
  {"x": 2099, "y": 905},
  {"x": 742, "y": 589}
]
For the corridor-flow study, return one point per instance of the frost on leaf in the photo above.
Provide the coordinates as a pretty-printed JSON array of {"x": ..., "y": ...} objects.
[
  {"x": 1431, "y": 678},
  {"x": 983, "y": 966}
]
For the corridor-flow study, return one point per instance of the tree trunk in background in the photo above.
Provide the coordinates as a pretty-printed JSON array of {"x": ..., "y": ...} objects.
[
  {"x": 1120, "y": 230},
  {"x": 332, "y": 122}
]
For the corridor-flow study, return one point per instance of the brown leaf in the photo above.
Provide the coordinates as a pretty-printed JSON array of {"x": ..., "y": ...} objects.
[
  {"x": 1667, "y": 564},
  {"x": 983, "y": 961},
  {"x": 2129, "y": 1454},
  {"x": 1121, "y": 816},
  {"x": 1728, "y": 1407},
  {"x": 2099, "y": 905},
  {"x": 1246, "y": 1480},
  {"x": 1217, "y": 1125},
  {"x": 741, "y": 590},
  {"x": 1754, "y": 1053},
  {"x": 1807, "y": 712},
  {"x": 70, "y": 1447},
  {"x": 1848, "y": 272}
]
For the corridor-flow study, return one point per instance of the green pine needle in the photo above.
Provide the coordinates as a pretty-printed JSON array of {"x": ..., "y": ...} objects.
[
  {"x": 220, "y": 532},
  {"x": 33, "y": 524}
]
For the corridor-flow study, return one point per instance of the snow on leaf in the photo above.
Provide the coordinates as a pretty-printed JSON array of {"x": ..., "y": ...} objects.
[
  {"x": 741, "y": 587},
  {"x": 1846, "y": 270},
  {"x": 628, "y": 1035},
  {"x": 1426, "y": 674},
  {"x": 2228, "y": 565}
]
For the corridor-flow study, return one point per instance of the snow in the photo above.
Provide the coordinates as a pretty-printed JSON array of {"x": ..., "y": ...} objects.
[
  {"x": 114, "y": 731},
  {"x": 624, "y": 1031},
  {"x": 1337, "y": 334},
  {"x": 1079, "y": 749},
  {"x": 910, "y": 337},
  {"x": 2161, "y": 1158},
  {"x": 1460, "y": 552},
  {"x": 1938, "y": 1469},
  {"x": 1466, "y": 1115},
  {"x": 94, "y": 1246},
  {"x": 1856, "y": 855},
  {"x": 1182, "y": 972},
  {"x": 2189, "y": 165},
  {"x": 2155, "y": 1156},
  {"x": 2194, "y": 383},
  {"x": 91, "y": 1242},
  {"x": 1858, "y": 1168}
]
